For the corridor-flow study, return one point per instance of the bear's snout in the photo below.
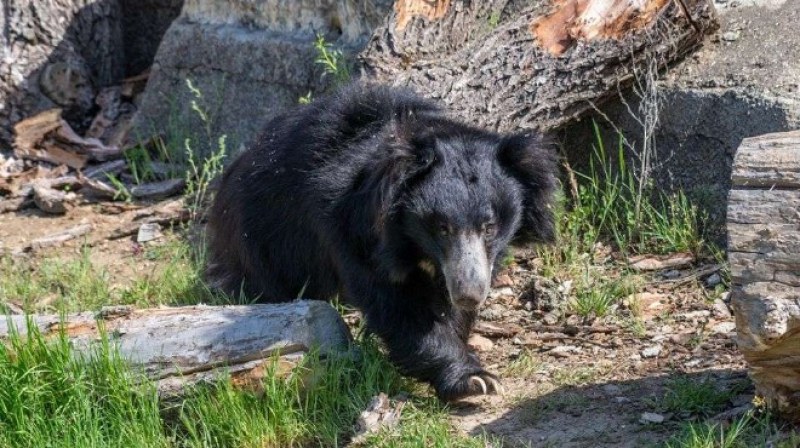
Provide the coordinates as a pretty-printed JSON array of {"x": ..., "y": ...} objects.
[{"x": 467, "y": 272}]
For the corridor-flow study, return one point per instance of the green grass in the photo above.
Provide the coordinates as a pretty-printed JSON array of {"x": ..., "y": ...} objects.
[
  {"x": 607, "y": 209},
  {"x": 52, "y": 397},
  {"x": 596, "y": 293},
  {"x": 524, "y": 365},
  {"x": 611, "y": 203},
  {"x": 78, "y": 284},
  {"x": 748, "y": 431},
  {"x": 696, "y": 397}
]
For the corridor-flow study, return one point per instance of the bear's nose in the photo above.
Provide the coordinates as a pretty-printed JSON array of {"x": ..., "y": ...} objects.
[
  {"x": 467, "y": 272},
  {"x": 469, "y": 302}
]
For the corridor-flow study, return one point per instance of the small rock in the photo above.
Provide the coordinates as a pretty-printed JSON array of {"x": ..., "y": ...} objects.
[
  {"x": 713, "y": 280},
  {"x": 672, "y": 273},
  {"x": 550, "y": 319},
  {"x": 657, "y": 263},
  {"x": 730, "y": 36},
  {"x": 612, "y": 390},
  {"x": 622, "y": 400},
  {"x": 148, "y": 232},
  {"x": 565, "y": 288},
  {"x": 692, "y": 362},
  {"x": 503, "y": 280},
  {"x": 681, "y": 338},
  {"x": 723, "y": 327},
  {"x": 651, "y": 417},
  {"x": 563, "y": 351},
  {"x": 480, "y": 343},
  {"x": 501, "y": 292},
  {"x": 652, "y": 351},
  {"x": 528, "y": 306},
  {"x": 721, "y": 309},
  {"x": 492, "y": 312},
  {"x": 649, "y": 304},
  {"x": 380, "y": 413},
  {"x": 693, "y": 315}
]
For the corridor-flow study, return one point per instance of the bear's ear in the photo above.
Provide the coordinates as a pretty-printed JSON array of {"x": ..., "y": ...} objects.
[
  {"x": 417, "y": 141},
  {"x": 405, "y": 159},
  {"x": 531, "y": 160}
]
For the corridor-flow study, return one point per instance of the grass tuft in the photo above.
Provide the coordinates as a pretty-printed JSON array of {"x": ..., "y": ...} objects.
[
  {"x": 748, "y": 431},
  {"x": 697, "y": 397}
]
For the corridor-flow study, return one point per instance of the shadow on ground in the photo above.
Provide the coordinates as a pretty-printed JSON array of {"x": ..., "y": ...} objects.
[{"x": 597, "y": 415}]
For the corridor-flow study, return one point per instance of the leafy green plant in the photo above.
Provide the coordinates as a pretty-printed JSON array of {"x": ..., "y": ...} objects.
[
  {"x": 200, "y": 173},
  {"x": 140, "y": 164},
  {"x": 121, "y": 191},
  {"x": 306, "y": 99},
  {"x": 332, "y": 61}
]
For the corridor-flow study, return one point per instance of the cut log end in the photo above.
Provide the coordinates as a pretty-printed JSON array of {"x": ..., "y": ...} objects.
[
  {"x": 574, "y": 20},
  {"x": 764, "y": 254}
]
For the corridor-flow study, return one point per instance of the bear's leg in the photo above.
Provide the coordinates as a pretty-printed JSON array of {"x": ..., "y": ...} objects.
[{"x": 429, "y": 347}]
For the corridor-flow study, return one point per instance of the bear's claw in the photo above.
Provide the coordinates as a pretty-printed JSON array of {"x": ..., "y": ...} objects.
[
  {"x": 478, "y": 381},
  {"x": 485, "y": 383}
]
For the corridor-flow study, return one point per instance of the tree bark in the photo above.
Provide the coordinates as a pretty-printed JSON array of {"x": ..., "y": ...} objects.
[
  {"x": 187, "y": 345},
  {"x": 508, "y": 64},
  {"x": 764, "y": 254},
  {"x": 56, "y": 54}
]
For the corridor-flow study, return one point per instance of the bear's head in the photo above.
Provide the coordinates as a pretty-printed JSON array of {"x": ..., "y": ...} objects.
[{"x": 454, "y": 197}]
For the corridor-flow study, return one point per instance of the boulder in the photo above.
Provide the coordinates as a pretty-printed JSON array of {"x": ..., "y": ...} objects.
[{"x": 247, "y": 61}]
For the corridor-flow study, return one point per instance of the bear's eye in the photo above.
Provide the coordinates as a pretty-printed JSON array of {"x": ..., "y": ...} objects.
[
  {"x": 489, "y": 229},
  {"x": 444, "y": 229}
]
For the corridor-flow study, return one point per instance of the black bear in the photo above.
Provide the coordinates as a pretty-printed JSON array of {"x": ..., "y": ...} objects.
[{"x": 375, "y": 195}]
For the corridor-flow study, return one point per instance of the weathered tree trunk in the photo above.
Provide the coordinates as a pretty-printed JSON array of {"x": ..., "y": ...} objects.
[
  {"x": 56, "y": 53},
  {"x": 187, "y": 345},
  {"x": 511, "y": 64},
  {"x": 764, "y": 253}
]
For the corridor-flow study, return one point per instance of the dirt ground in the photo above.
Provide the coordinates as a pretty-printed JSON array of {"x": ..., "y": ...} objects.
[
  {"x": 570, "y": 381},
  {"x": 591, "y": 382}
]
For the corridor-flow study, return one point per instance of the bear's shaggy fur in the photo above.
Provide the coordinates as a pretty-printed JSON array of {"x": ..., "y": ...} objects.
[{"x": 375, "y": 195}]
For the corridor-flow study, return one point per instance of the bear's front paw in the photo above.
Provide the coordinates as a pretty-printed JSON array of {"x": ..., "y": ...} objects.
[{"x": 476, "y": 383}]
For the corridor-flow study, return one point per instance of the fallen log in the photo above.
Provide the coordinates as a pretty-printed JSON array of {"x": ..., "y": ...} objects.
[
  {"x": 178, "y": 347},
  {"x": 507, "y": 66},
  {"x": 764, "y": 254}
]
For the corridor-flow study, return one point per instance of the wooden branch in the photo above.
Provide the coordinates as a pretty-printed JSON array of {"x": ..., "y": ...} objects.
[
  {"x": 764, "y": 253},
  {"x": 186, "y": 345},
  {"x": 158, "y": 190},
  {"x": 59, "y": 238},
  {"x": 505, "y": 66}
]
